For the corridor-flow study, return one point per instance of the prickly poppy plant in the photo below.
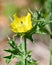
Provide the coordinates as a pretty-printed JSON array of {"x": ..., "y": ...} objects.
[{"x": 25, "y": 27}]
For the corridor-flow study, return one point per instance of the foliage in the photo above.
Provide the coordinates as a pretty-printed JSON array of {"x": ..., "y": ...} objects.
[
  {"x": 41, "y": 24},
  {"x": 18, "y": 51}
]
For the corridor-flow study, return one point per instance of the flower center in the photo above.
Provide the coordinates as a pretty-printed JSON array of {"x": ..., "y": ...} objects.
[{"x": 21, "y": 23}]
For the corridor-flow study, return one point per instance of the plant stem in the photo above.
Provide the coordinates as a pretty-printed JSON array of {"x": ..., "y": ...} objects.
[
  {"x": 25, "y": 43},
  {"x": 25, "y": 49}
]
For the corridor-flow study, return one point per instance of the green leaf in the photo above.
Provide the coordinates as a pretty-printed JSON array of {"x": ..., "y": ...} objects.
[
  {"x": 8, "y": 59},
  {"x": 29, "y": 60},
  {"x": 19, "y": 63},
  {"x": 12, "y": 43},
  {"x": 29, "y": 37},
  {"x": 32, "y": 62},
  {"x": 29, "y": 34},
  {"x": 15, "y": 52},
  {"x": 28, "y": 63},
  {"x": 21, "y": 47},
  {"x": 28, "y": 52}
]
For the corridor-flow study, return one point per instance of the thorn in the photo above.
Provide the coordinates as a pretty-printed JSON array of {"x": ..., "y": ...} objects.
[
  {"x": 8, "y": 38},
  {"x": 30, "y": 11},
  {"x": 11, "y": 18}
]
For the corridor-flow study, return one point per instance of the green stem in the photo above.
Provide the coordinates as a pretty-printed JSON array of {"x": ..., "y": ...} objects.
[
  {"x": 25, "y": 48},
  {"x": 25, "y": 43}
]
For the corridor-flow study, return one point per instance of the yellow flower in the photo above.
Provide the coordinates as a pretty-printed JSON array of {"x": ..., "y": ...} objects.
[{"x": 22, "y": 24}]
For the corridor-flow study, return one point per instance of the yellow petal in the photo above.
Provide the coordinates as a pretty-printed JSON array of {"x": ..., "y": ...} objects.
[{"x": 22, "y": 24}]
